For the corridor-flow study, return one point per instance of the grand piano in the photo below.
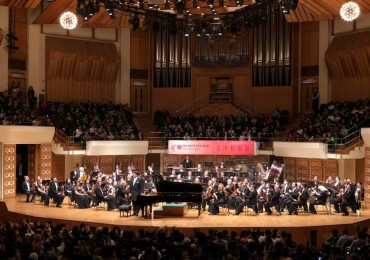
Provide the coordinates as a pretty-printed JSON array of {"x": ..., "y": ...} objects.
[{"x": 171, "y": 192}]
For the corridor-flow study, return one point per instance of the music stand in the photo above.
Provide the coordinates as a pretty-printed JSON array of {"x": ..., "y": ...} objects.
[{"x": 228, "y": 174}]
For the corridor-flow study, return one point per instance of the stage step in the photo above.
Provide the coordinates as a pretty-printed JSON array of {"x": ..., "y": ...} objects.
[{"x": 172, "y": 210}]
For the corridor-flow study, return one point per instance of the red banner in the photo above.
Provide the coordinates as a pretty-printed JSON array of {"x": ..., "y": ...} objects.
[{"x": 211, "y": 147}]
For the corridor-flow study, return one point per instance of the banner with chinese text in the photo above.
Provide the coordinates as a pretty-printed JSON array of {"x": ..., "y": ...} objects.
[{"x": 211, "y": 147}]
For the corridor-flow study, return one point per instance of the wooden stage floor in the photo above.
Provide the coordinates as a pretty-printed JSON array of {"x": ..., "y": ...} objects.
[{"x": 300, "y": 226}]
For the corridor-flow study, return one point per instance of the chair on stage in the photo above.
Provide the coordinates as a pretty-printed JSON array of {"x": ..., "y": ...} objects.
[
  {"x": 226, "y": 206},
  {"x": 253, "y": 208}
]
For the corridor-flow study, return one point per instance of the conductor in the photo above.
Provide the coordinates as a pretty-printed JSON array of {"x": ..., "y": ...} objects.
[{"x": 187, "y": 162}]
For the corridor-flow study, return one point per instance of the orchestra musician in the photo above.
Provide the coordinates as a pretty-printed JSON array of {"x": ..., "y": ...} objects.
[
  {"x": 285, "y": 190},
  {"x": 27, "y": 189},
  {"x": 265, "y": 193},
  {"x": 337, "y": 182},
  {"x": 207, "y": 195},
  {"x": 249, "y": 200},
  {"x": 301, "y": 201},
  {"x": 187, "y": 162},
  {"x": 101, "y": 196},
  {"x": 41, "y": 190},
  {"x": 292, "y": 196},
  {"x": 74, "y": 174},
  {"x": 123, "y": 193},
  {"x": 336, "y": 199},
  {"x": 319, "y": 197},
  {"x": 218, "y": 198},
  {"x": 360, "y": 194},
  {"x": 55, "y": 193},
  {"x": 273, "y": 201},
  {"x": 80, "y": 196},
  {"x": 68, "y": 189},
  {"x": 189, "y": 177},
  {"x": 136, "y": 188},
  {"x": 349, "y": 200}
]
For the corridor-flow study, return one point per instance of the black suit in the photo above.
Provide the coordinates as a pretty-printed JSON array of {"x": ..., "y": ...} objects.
[
  {"x": 274, "y": 201},
  {"x": 54, "y": 194},
  {"x": 111, "y": 201},
  {"x": 348, "y": 200},
  {"x": 26, "y": 189},
  {"x": 136, "y": 188},
  {"x": 187, "y": 163},
  {"x": 250, "y": 201}
]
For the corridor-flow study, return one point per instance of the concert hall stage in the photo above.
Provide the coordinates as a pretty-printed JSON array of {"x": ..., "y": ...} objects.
[{"x": 304, "y": 227}]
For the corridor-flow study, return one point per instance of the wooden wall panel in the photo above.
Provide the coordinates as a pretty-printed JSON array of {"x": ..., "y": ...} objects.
[
  {"x": 310, "y": 44},
  {"x": 316, "y": 169},
  {"x": 266, "y": 99},
  {"x": 330, "y": 168},
  {"x": 170, "y": 159},
  {"x": 290, "y": 169},
  {"x": 138, "y": 161},
  {"x": 45, "y": 161},
  {"x": 32, "y": 161},
  {"x": 124, "y": 161},
  {"x": 303, "y": 169},
  {"x": 259, "y": 158},
  {"x": 9, "y": 170},
  {"x": 89, "y": 161},
  {"x": 106, "y": 164},
  {"x": 80, "y": 71},
  {"x": 139, "y": 58},
  {"x": 58, "y": 167},
  {"x": 367, "y": 175}
]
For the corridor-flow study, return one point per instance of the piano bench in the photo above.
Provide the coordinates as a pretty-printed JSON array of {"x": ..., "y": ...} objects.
[{"x": 124, "y": 209}]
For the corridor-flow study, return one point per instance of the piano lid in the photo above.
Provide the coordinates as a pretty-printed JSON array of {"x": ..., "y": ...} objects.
[{"x": 176, "y": 187}]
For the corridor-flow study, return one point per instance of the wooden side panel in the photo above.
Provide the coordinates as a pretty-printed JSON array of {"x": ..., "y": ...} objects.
[
  {"x": 123, "y": 160},
  {"x": 89, "y": 161},
  {"x": 80, "y": 71},
  {"x": 170, "y": 159},
  {"x": 9, "y": 170},
  {"x": 45, "y": 161},
  {"x": 367, "y": 174},
  {"x": 138, "y": 161},
  {"x": 32, "y": 161},
  {"x": 290, "y": 169},
  {"x": 316, "y": 169},
  {"x": 106, "y": 164},
  {"x": 303, "y": 169},
  {"x": 330, "y": 168},
  {"x": 58, "y": 167}
]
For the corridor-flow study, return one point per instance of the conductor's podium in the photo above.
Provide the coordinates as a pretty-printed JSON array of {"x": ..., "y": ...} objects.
[{"x": 172, "y": 210}]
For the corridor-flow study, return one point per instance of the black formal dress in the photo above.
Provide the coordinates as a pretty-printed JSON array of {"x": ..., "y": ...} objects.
[
  {"x": 136, "y": 188},
  {"x": 82, "y": 200}
]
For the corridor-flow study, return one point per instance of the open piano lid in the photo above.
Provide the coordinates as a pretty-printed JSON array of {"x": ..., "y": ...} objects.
[{"x": 175, "y": 187}]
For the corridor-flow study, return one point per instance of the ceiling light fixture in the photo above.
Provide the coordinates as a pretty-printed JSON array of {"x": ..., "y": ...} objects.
[
  {"x": 68, "y": 20},
  {"x": 349, "y": 11}
]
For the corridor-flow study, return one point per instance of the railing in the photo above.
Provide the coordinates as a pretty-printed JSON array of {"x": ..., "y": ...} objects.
[
  {"x": 194, "y": 105},
  {"x": 164, "y": 140},
  {"x": 61, "y": 137}
]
